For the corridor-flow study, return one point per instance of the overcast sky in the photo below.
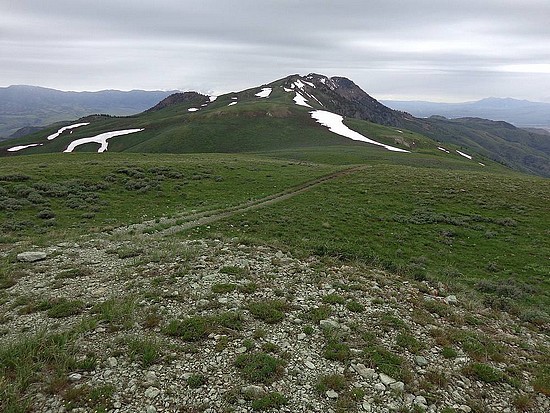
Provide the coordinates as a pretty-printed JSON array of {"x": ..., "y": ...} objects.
[{"x": 442, "y": 50}]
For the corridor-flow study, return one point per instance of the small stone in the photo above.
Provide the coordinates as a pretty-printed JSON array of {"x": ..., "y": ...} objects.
[
  {"x": 365, "y": 372},
  {"x": 379, "y": 387},
  {"x": 331, "y": 394},
  {"x": 398, "y": 385},
  {"x": 117, "y": 405},
  {"x": 329, "y": 324},
  {"x": 310, "y": 365},
  {"x": 451, "y": 299},
  {"x": 152, "y": 392},
  {"x": 252, "y": 391},
  {"x": 151, "y": 409},
  {"x": 421, "y": 361},
  {"x": 367, "y": 407},
  {"x": 385, "y": 379},
  {"x": 112, "y": 362},
  {"x": 301, "y": 336},
  {"x": 279, "y": 255},
  {"x": 150, "y": 377},
  {"x": 241, "y": 350},
  {"x": 465, "y": 408},
  {"x": 420, "y": 400},
  {"x": 75, "y": 377},
  {"x": 31, "y": 256}
]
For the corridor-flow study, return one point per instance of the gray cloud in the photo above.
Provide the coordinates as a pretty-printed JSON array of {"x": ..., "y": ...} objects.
[{"x": 421, "y": 49}]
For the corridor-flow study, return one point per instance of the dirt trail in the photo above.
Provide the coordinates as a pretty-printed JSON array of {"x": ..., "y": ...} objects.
[{"x": 181, "y": 223}]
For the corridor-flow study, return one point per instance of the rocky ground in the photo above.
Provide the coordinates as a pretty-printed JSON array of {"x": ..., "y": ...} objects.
[{"x": 178, "y": 325}]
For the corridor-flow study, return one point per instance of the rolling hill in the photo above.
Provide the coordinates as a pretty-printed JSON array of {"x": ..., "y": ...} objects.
[
  {"x": 36, "y": 107},
  {"x": 292, "y": 112}
]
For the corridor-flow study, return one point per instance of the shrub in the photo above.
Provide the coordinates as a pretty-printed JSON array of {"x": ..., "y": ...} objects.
[
  {"x": 147, "y": 351},
  {"x": 333, "y": 299},
  {"x": 484, "y": 372},
  {"x": 223, "y": 288},
  {"x": 337, "y": 351},
  {"x": 271, "y": 311},
  {"x": 269, "y": 401},
  {"x": 336, "y": 382},
  {"x": 65, "y": 308},
  {"x": 355, "y": 307},
  {"x": 259, "y": 367},
  {"x": 196, "y": 380},
  {"x": 189, "y": 329}
]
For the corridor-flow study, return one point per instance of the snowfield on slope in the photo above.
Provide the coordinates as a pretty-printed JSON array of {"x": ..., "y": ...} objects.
[
  {"x": 64, "y": 128},
  {"x": 464, "y": 154},
  {"x": 301, "y": 101},
  {"x": 336, "y": 125},
  {"x": 18, "y": 148},
  {"x": 266, "y": 91},
  {"x": 101, "y": 139}
]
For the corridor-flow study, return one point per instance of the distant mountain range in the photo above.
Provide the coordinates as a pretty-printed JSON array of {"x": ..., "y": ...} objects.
[
  {"x": 521, "y": 113},
  {"x": 293, "y": 112},
  {"x": 33, "y": 107}
]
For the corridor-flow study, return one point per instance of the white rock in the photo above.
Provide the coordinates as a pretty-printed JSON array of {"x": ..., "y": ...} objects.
[
  {"x": 301, "y": 336},
  {"x": 420, "y": 400},
  {"x": 398, "y": 385},
  {"x": 152, "y": 392},
  {"x": 151, "y": 409},
  {"x": 421, "y": 361},
  {"x": 331, "y": 394},
  {"x": 379, "y": 387},
  {"x": 451, "y": 299},
  {"x": 310, "y": 365},
  {"x": 241, "y": 350},
  {"x": 385, "y": 379},
  {"x": 465, "y": 409},
  {"x": 75, "y": 376},
  {"x": 31, "y": 256},
  {"x": 112, "y": 362},
  {"x": 329, "y": 324},
  {"x": 365, "y": 372}
]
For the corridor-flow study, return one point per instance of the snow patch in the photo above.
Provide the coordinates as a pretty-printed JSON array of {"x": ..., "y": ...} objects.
[
  {"x": 300, "y": 100},
  {"x": 266, "y": 91},
  {"x": 18, "y": 148},
  {"x": 101, "y": 139},
  {"x": 232, "y": 103},
  {"x": 464, "y": 154},
  {"x": 298, "y": 83},
  {"x": 234, "y": 98},
  {"x": 399, "y": 131},
  {"x": 443, "y": 149},
  {"x": 288, "y": 90},
  {"x": 336, "y": 125},
  {"x": 64, "y": 128},
  {"x": 212, "y": 98},
  {"x": 309, "y": 84},
  {"x": 482, "y": 164},
  {"x": 192, "y": 110}
]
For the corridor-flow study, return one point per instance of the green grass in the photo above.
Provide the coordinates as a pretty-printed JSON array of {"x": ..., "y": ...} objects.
[
  {"x": 484, "y": 372},
  {"x": 259, "y": 367},
  {"x": 481, "y": 224},
  {"x": 65, "y": 308},
  {"x": 145, "y": 350},
  {"x": 120, "y": 189},
  {"x": 270, "y": 311},
  {"x": 189, "y": 329},
  {"x": 269, "y": 401}
]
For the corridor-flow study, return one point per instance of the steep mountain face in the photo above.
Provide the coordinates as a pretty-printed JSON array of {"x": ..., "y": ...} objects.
[
  {"x": 341, "y": 95},
  {"x": 31, "y": 106}
]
